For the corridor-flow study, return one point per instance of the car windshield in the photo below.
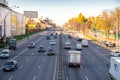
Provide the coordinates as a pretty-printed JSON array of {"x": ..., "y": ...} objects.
[
  {"x": 4, "y": 52},
  {"x": 9, "y": 63},
  {"x": 31, "y": 44},
  {"x": 41, "y": 47}
]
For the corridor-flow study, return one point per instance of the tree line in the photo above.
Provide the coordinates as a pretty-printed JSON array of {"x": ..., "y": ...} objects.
[{"x": 107, "y": 22}]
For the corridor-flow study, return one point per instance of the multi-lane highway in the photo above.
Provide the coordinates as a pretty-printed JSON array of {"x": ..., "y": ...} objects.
[{"x": 33, "y": 65}]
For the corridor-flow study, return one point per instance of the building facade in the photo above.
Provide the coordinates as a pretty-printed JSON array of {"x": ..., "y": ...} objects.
[{"x": 11, "y": 23}]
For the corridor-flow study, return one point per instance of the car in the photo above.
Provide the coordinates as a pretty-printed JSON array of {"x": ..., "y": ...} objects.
[
  {"x": 67, "y": 44},
  {"x": 55, "y": 36},
  {"x": 69, "y": 36},
  {"x": 5, "y": 54},
  {"x": 47, "y": 37},
  {"x": 109, "y": 44},
  {"x": 78, "y": 46},
  {"x": 10, "y": 65},
  {"x": 31, "y": 45},
  {"x": 84, "y": 43},
  {"x": 52, "y": 42},
  {"x": 50, "y": 52},
  {"x": 12, "y": 44},
  {"x": 115, "y": 53},
  {"x": 41, "y": 49}
]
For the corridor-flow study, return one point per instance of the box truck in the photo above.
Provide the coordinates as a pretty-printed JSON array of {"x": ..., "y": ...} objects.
[
  {"x": 74, "y": 58},
  {"x": 114, "y": 70}
]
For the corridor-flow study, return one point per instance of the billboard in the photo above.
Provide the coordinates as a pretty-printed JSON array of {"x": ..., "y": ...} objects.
[{"x": 31, "y": 14}]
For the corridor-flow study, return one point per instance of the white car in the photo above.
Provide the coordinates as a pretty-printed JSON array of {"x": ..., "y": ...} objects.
[
  {"x": 67, "y": 44},
  {"x": 84, "y": 43},
  {"x": 79, "y": 46},
  {"x": 115, "y": 53},
  {"x": 52, "y": 42},
  {"x": 5, "y": 54}
]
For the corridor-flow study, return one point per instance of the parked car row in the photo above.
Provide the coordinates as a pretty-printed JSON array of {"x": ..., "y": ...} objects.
[{"x": 107, "y": 43}]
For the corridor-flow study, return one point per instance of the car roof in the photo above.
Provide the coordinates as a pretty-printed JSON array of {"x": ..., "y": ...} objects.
[
  {"x": 11, "y": 61},
  {"x": 5, "y": 50}
]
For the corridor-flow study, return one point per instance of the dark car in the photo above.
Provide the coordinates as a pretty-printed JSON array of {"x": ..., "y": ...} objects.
[
  {"x": 31, "y": 45},
  {"x": 69, "y": 36},
  {"x": 47, "y": 37},
  {"x": 41, "y": 49},
  {"x": 50, "y": 52},
  {"x": 55, "y": 36},
  {"x": 10, "y": 65},
  {"x": 12, "y": 44}
]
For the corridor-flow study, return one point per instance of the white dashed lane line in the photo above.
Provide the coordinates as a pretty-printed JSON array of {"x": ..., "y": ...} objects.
[
  {"x": 39, "y": 66},
  {"x": 21, "y": 67},
  {"x": 34, "y": 78},
  {"x": 10, "y": 78},
  {"x": 27, "y": 59},
  {"x": 86, "y": 78}
]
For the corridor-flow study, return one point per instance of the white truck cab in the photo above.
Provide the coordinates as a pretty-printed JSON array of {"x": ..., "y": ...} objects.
[{"x": 114, "y": 70}]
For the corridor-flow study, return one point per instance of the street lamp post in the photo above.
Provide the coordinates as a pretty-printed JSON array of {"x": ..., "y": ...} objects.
[{"x": 4, "y": 35}]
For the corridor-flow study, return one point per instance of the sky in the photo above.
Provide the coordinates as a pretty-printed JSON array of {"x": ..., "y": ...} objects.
[{"x": 60, "y": 11}]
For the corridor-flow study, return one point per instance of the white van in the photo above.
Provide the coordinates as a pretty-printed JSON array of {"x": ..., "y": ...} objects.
[
  {"x": 84, "y": 43},
  {"x": 78, "y": 46}
]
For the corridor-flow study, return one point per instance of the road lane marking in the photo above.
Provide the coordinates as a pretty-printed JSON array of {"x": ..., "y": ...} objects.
[
  {"x": 39, "y": 39},
  {"x": 100, "y": 68},
  {"x": 100, "y": 54},
  {"x": 34, "y": 77},
  {"x": 86, "y": 78},
  {"x": 55, "y": 69},
  {"x": 65, "y": 67},
  {"x": 20, "y": 53},
  {"x": 32, "y": 54},
  {"x": 81, "y": 67},
  {"x": 27, "y": 59},
  {"x": 10, "y": 78},
  {"x": 21, "y": 67},
  {"x": 39, "y": 67},
  {"x": 43, "y": 59},
  {"x": 67, "y": 78}
]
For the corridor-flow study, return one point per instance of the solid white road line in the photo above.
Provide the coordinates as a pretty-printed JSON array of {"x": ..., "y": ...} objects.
[
  {"x": 20, "y": 53},
  {"x": 100, "y": 54}
]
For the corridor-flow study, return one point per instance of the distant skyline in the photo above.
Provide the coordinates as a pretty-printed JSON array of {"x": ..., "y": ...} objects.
[{"x": 60, "y": 11}]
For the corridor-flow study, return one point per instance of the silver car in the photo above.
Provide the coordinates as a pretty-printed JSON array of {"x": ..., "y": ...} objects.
[{"x": 5, "y": 54}]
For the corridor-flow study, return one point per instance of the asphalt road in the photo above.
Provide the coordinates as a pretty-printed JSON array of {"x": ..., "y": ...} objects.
[
  {"x": 93, "y": 63},
  {"x": 33, "y": 65}
]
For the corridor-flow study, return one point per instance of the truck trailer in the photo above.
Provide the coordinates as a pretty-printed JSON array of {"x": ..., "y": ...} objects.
[
  {"x": 114, "y": 70},
  {"x": 74, "y": 58}
]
